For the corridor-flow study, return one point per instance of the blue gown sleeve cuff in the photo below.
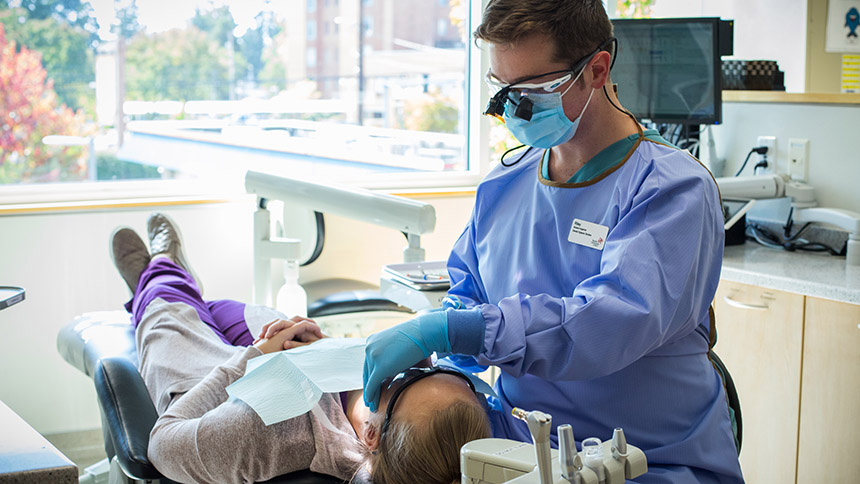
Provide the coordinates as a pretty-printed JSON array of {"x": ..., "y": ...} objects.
[{"x": 466, "y": 331}]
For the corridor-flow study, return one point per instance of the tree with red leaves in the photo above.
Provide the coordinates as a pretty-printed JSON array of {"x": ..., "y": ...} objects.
[{"x": 29, "y": 111}]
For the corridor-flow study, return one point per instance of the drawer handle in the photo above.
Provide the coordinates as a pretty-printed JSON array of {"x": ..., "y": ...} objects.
[{"x": 740, "y": 305}]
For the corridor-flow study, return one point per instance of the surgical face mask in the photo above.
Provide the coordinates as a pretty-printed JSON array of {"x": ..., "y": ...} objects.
[{"x": 549, "y": 126}]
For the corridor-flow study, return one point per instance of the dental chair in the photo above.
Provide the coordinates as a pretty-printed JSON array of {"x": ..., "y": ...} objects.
[
  {"x": 733, "y": 400},
  {"x": 101, "y": 345}
]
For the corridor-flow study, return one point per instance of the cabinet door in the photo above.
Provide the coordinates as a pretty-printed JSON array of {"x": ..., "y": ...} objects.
[
  {"x": 830, "y": 399},
  {"x": 759, "y": 334}
]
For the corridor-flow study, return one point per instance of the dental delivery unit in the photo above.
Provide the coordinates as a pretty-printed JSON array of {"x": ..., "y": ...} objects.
[{"x": 503, "y": 461}]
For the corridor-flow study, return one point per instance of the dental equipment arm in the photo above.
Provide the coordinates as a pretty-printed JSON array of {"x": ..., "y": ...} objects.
[
  {"x": 411, "y": 217},
  {"x": 767, "y": 186},
  {"x": 844, "y": 219},
  {"x": 803, "y": 200}
]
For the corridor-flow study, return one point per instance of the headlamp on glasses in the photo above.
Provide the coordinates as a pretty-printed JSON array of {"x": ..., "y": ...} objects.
[
  {"x": 496, "y": 106},
  {"x": 517, "y": 93}
]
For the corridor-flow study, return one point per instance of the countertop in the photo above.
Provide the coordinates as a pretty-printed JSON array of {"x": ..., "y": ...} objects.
[
  {"x": 27, "y": 458},
  {"x": 807, "y": 273}
]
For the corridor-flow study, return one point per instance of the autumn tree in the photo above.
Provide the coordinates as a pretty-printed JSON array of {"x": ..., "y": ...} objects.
[
  {"x": 29, "y": 111},
  {"x": 64, "y": 33}
]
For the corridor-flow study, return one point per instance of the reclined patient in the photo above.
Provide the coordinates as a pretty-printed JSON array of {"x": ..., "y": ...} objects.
[{"x": 190, "y": 350}]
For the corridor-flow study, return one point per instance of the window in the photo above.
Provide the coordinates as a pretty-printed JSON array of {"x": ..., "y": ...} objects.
[
  {"x": 202, "y": 100},
  {"x": 311, "y": 57},
  {"x": 367, "y": 25}
]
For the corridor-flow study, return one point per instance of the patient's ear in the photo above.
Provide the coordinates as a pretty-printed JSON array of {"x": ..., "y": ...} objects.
[{"x": 370, "y": 434}]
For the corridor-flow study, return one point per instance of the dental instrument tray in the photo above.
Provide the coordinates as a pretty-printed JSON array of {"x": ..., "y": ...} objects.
[
  {"x": 10, "y": 295},
  {"x": 422, "y": 276}
]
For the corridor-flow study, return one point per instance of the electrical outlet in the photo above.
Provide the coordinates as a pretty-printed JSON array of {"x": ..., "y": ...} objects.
[
  {"x": 798, "y": 158},
  {"x": 770, "y": 142}
]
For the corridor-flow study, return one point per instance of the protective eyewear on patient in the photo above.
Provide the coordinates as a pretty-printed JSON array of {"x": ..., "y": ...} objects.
[{"x": 409, "y": 377}]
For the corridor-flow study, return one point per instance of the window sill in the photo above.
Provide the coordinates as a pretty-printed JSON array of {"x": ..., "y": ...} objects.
[{"x": 95, "y": 196}]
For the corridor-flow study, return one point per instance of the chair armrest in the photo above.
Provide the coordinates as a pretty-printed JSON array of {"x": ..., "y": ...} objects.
[
  {"x": 128, "y": 412},
  {"x": 304, "y": 477}
]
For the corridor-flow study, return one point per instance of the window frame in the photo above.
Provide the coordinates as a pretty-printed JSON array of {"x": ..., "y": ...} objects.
[{"x": 476, "y": 142}]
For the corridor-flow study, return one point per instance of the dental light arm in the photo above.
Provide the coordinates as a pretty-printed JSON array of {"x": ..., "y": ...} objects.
[
  {"x": 411, "y": 217},
  {"x": 398, "y": 213}
]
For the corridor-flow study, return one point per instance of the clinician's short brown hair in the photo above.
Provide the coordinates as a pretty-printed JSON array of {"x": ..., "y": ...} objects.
[{"x": 577, "y": 27}]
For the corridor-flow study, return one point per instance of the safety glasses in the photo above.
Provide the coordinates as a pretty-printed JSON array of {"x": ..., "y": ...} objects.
[
  {"x": 409, "y": 377},
  {"x": 517, "y": 93},
  {"x": 526, "y": 87}
]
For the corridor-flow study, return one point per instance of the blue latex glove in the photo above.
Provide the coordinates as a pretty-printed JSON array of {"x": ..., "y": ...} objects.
[
  {"x": 452, "y": 302},
  {"x": 391, "y": 351}
]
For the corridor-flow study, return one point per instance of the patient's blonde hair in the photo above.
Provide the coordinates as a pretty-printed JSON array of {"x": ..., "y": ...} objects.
[{"x": 428, "y": 451}]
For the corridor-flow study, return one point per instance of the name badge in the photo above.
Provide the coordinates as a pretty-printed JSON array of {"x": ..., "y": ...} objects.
[{"x": 588, "y": 234}]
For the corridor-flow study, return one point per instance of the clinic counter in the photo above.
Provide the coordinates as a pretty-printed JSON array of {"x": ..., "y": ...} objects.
[
  {"x": 806, "y": 273},
  {"x": 27, "y": 458}
]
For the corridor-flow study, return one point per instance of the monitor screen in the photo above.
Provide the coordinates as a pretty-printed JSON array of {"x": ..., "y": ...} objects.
[{"x": 668, "y": 70}]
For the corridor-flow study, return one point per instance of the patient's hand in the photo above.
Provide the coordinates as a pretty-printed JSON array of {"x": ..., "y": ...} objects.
[{"x": 283, "y": 334}]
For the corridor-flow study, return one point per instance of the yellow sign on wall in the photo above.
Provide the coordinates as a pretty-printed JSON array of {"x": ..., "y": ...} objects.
[{"x": 850, "y": 73}]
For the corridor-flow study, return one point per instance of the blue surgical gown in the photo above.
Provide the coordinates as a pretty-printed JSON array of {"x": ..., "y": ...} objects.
[{"x": 612, "y": 333}]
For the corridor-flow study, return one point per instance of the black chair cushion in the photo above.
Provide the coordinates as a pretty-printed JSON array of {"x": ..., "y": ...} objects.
[
  {"x": 353, "y": 302},
  {"x": 129, "y": 414}
]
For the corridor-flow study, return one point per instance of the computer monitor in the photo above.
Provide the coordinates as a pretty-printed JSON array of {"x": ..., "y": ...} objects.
[{"x": 668, "y": 70}]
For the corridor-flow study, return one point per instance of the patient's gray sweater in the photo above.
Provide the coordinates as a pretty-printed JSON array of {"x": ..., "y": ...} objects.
[{"x": 201, "y": 435}]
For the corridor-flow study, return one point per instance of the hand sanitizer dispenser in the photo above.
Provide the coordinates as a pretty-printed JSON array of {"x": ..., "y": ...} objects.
[{"x": 292, "y": 299}]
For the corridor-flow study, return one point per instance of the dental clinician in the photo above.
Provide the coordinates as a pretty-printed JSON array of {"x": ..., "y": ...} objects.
[{"x": 589, "y": 264}]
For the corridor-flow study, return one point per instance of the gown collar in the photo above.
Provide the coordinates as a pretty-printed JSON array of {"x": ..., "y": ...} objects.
[{"x": 605, "y": 162}]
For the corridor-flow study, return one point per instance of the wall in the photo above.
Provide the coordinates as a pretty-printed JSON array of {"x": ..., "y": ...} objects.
[
  {"x": 62, "y": 261},
  {"x": 823, "y": 69},
  {"x": 764, "y": 29},
  {"x": 834, "y": 162}
]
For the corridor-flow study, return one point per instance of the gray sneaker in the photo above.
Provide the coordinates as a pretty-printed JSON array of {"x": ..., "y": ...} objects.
[
  {"x": 164, "y": 238},
  {"x": 129, "y": 255}
]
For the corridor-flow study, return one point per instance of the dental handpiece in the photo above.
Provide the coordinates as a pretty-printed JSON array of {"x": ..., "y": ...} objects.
[
  {"x": 540, "y": 425},
  {"x": 619, "y": 446},
  {"x": 568, "y": 458}
]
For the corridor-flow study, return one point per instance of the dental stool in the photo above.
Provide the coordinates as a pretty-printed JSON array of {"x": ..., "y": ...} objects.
[{"x": 101, "y": 345}]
